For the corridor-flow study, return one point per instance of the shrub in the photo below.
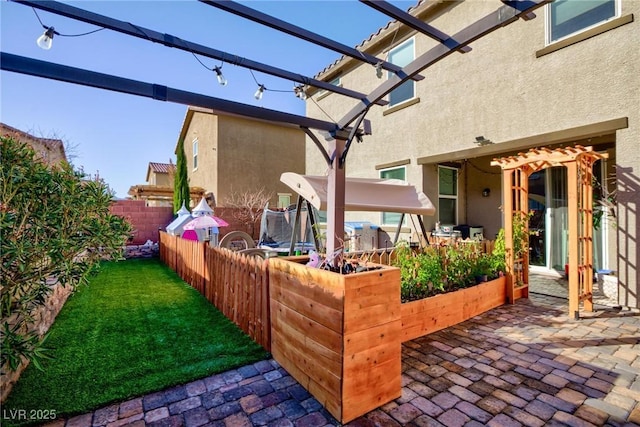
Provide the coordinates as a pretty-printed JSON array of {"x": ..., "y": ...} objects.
[{"x": 55, "y": 225}]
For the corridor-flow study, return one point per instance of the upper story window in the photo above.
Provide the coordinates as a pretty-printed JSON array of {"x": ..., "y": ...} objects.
[
  {"x": 402, "y": 56},
  {"x": 393, "y": 218},
  {"x": 447, "y": 195},
  {"x": 195, "y": 154},
  {"x": 566, "y": 17},
  {"x": 336, "y": 82}
]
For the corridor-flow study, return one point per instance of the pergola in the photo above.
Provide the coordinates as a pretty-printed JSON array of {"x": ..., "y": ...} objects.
[
  {"x": 339, "y": 135},
  {"x": 515, "y": 206},
  {"x": 162, "y": 193}
]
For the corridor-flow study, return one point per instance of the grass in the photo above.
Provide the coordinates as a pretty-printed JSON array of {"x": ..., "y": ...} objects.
[{"x": 137, "y": 328}]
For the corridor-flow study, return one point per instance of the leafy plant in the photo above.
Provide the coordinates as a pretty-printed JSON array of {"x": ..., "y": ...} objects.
[
  {"x": 520, "y": 234},
  {"x": 421, "y": 274},
  {"x": 498, "y": 256},
  {"x": 56, "y": 225}
]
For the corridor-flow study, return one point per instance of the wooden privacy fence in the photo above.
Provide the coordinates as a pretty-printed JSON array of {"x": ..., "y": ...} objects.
[{"x": 235, "y": 284}]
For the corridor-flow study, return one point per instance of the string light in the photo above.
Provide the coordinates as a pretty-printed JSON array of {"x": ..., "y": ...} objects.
[
  {"x": 45, "y": 41},
  {"x": 259, "y": 92},
  {"x": 300, "y": 93},
  {"x": 379, "y": 70},
  {"x": 221, "y": 79}
]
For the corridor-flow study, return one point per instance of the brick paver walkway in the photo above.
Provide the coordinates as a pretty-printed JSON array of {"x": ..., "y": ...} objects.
[{"x": 525, "y": 364}]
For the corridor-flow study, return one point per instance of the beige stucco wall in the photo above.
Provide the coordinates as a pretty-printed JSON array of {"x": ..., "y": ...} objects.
[
  {"x": 236, "y": 155},
  {"x": 254, "y": 154},
  {"x": 204, "y": 127},
  {"x": 502, "y": 91}
]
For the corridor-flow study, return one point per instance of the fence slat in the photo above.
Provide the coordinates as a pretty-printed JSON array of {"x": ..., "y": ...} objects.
[{"x": 236, "y": 284}]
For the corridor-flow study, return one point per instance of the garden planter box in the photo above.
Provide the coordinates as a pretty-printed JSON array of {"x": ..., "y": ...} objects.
[
  {"x": 425, "y": 316},
  {"x": 338, "y": 335}
]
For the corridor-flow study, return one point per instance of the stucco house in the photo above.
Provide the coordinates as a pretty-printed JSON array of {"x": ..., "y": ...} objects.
[
  {"x": 50, "y": 150},
  {"x": 160, "y": 174},
  {"x": 567, "y": 78},
  {"x": 227, "y": 154}
]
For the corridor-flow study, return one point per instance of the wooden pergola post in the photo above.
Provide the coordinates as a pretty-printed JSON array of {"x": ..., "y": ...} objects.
[{"x": 516, "y": 170}]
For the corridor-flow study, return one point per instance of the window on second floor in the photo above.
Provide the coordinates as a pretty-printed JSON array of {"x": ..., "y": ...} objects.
[
  {"x": 393, "y": 218},
  {"x": 336, "y": 82},
  {"x": 402, "y": 56},
  {"x": 195, "y": 154},
  {"x": 447, "y": 195},
  {"x": 566, "y": 17}
]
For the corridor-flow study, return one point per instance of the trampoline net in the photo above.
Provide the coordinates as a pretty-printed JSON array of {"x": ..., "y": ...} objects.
[{"x": 276, "y": 229}]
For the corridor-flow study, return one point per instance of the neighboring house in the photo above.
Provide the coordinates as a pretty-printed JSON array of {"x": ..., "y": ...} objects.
[
  {"x": 569, "y": 77},
  {"x": 48, "y": 149},
  {"x": 160, "y": 174},
  {"x": 158, "y": 191},
  {"x": 228, "y": 154}
]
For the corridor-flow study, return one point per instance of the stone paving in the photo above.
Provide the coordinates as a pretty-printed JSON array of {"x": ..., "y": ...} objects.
[{"x": 526, "y": 364}]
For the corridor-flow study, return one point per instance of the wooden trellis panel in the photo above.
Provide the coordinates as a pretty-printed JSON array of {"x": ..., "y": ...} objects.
[{"x": 516, "y": 170}]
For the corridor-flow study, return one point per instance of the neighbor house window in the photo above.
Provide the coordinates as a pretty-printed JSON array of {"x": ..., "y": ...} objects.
[
  {"x": 566, "y": 17},
  {"x": 284, "y": 200},
  {"x": 402, "y": 56},
  {"x": 393, "y": 218},
  {"x": 195, "y": 154},
  {"x": 447, "y": 195}
]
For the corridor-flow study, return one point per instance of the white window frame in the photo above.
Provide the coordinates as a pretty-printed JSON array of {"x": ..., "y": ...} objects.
[
  {"x": 448, "y": 196},
  {"x": 281, "y": 197},
  {"x": 391, "y": 73},
  {"x": 547, "y": 23},
  {"x": 382, "y": 215},
  {"x": 194, "y": 157}
]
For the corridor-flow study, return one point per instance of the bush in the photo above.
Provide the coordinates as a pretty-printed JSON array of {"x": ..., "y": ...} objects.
[{"x": 55, "y": 225}]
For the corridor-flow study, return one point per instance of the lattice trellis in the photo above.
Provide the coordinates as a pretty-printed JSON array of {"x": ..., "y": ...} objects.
[{"x": 516, "y": 170}]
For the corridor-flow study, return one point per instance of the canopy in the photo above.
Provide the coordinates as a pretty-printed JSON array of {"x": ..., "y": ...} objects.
[
  {"x": 363, "y": 194},
  {"x": 206, "y": 221}
]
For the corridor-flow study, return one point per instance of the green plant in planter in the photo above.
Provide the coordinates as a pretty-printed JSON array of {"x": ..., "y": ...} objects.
[
  {"x": 421, "y": 274},
  {"x": 482, "y": 268},
  {"x": 459, "y": 264}
]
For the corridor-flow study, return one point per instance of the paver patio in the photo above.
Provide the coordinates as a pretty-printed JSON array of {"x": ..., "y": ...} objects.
[{"x": 526, "y": 364}]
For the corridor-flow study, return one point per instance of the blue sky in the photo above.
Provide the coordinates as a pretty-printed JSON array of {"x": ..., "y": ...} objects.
[{"x": 116, "y": 135}]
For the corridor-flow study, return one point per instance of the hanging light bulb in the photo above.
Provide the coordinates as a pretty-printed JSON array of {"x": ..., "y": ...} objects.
[
  {"x": 221, "y": 79},
  {"x": 46, "y": 39},
  {"x": 379, "y": 70},
  {"x": 259, "y": 92},
  {"x": 300, "y": 93}
]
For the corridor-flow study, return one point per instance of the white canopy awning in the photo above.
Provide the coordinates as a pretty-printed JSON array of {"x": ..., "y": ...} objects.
[{"x": 363, "y": 194}]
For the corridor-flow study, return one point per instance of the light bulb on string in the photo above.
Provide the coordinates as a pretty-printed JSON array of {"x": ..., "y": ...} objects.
[
  {"x": 259, "y": 92},
  {"x": 300, "y": 93},
  {"x": 221, "y": 79},
  {"x": 46, "y": 39}
]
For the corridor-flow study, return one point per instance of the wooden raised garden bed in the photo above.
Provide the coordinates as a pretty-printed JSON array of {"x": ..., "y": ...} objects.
[
  {"x": 338, "y": 335},
  {"x": 425, "y": 316}
]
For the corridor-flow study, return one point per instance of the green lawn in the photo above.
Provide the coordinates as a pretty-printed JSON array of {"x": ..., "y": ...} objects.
[{"x": 135, "y": 329}]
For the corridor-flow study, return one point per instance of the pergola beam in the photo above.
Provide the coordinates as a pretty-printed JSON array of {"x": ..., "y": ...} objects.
[
  {"x": 501, "y": 17},
  {"x": 413, "y": 22},
  {"x": 64, "y": 73},
  {"x": 301, "y": 33},
  {"x": 178, "y": 43}
]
